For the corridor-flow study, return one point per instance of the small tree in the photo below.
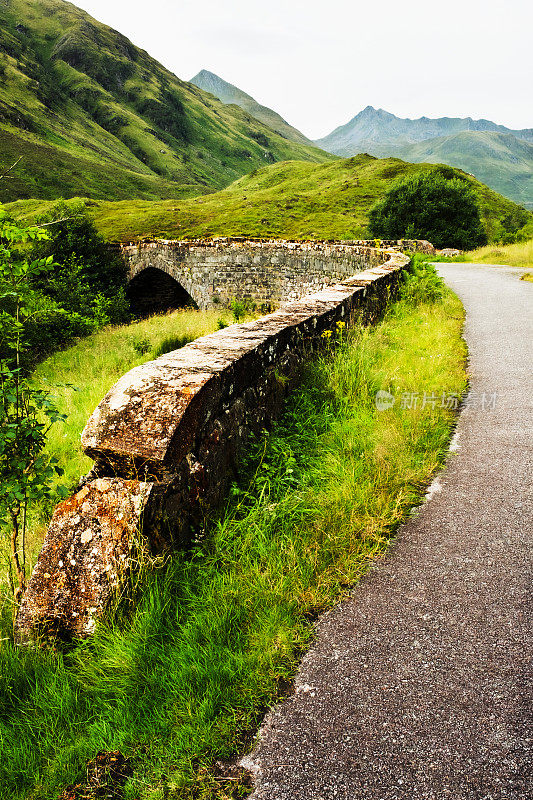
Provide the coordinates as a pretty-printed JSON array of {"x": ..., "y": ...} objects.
[
  {"x": 86, "y": 266},
  {"x": 26, "y": 413},
  {"x": 430, "y": 206}
]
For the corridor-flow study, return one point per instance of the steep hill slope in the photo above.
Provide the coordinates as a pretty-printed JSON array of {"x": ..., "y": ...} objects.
[
  {"x": 496, "y": 155},
  {"x": 227, "y": 93},
  {"x": 293, "y": 199},
  {"x": 92, "y": 114}
]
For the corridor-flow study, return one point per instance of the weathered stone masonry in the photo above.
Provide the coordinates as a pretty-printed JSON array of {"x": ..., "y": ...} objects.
[
  {"x": 165, "y": 441},
  {"x": 215, "y": 271}
]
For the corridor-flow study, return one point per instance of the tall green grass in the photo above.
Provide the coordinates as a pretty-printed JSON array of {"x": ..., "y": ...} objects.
[
  {"x": 184, "y": 678},
  {"x": 79, "y": 377},
  {"x": 514, "y": 255},
  {"x": 519, "y": 254}
]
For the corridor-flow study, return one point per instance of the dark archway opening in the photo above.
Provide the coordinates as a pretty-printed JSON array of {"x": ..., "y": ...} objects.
[{"x": 153, "y": 291}]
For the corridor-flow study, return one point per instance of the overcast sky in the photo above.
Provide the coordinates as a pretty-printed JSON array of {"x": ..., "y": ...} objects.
[{"x": 319, "y": 64}]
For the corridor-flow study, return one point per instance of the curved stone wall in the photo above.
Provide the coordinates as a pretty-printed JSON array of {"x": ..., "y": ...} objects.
[{"x": 165, "y": 441}]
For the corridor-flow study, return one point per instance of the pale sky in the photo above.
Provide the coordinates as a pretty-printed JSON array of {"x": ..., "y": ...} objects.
[{"x": 319, "y": 64}]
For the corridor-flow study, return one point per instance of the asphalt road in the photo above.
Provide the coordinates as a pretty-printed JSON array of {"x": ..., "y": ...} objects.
[{"x": 419, "y": 685}]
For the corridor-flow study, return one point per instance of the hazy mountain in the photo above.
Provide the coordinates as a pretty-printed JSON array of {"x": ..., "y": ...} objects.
[
  {"x": 92, "y": 114},
  {"x": 230, "y": 94},
  {"x": 379, "y": 130},
  {"x": 498, "y": 156}
]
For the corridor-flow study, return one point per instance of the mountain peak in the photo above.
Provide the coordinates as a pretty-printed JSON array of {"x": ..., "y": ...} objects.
[{"x": 229, "y": 94}]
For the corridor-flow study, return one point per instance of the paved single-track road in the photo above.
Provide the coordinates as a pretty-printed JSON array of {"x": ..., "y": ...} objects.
[{"x": 418, "y": 686}]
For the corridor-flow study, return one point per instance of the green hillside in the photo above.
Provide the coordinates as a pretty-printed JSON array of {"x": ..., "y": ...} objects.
[
  {"x": 292, "y": 199},
  {"x": 228, "y": 93},
  {"x": 500, "y": 157},
  {"x": 93, "y": 115},
  {"x": 500, "y": 160}
]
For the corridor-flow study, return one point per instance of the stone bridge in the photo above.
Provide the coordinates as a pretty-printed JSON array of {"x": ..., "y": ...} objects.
[
  {"x": 166, "y": 438},
  {"x": 205, "y": 273}
]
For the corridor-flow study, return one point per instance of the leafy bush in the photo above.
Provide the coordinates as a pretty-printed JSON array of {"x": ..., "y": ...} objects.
[
  {"x": 239, "y": 309},
  {"x": 26, "y": 413},
  {"x": 87, "y": 283},
  {"x": 430, "y": 206},
  {"x": 421, "y": 283}
]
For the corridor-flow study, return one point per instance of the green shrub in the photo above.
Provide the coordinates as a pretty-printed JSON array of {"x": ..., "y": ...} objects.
[
  {"x": 87, "y": 283},
  {"x": 239, "y": 309},
  {"x": 430, "y": 206},
  {"x": 421, "y": 283}
]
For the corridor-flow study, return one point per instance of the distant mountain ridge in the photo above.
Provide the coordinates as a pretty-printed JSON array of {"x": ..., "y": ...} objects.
[
  {"x": 500, "y": 160},
  {"x": 380, "y": 129},
  {"x": 229, "y": 94},
  {"x": 498, "y": 156}
]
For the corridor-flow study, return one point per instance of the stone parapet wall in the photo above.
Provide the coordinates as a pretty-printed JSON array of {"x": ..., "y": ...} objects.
[
  {"x": 265, "y": 272},
  {"x": 166, "y": 440}
]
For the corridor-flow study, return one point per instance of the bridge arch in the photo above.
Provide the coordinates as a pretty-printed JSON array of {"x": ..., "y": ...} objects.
[
  {"x": 216, "y": 271},
  {"x": 153, "y": 289}
]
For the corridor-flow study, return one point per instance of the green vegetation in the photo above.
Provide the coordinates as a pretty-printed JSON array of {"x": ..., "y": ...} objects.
[
  {"x": 228, "y": 93},
  {"x": 80, "y": 376},
  {"x": 88, "y": 282},
  {"x": 84, "y": 288},
  {"x": 500, "y": 157},
  {"x": 514, "y": 255},
  {"x": 444, "y": 211},
  {"x": 93, "y": 115},
  {"x": 500, "y": 160},
  {"x": 26, "y": 412},
  {"x": 185, "y": 678},
  {"x": 289, "y": 200}
]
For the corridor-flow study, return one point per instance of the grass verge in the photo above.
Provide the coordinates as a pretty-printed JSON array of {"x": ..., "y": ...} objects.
[
  {"x": 510, "y": 255},
  {"x": 218, "y": 633},
  {"x": 513, "y": 255}
]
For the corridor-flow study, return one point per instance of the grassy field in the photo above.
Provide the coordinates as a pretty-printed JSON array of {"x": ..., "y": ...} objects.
[
  {"x": 293, "y": 199},
  {"x": 185, "y": 678},
  {"x": 514, "y": 255}
]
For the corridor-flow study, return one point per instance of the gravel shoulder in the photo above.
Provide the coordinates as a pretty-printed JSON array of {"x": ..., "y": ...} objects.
[{"x": 419, "y": 685}]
